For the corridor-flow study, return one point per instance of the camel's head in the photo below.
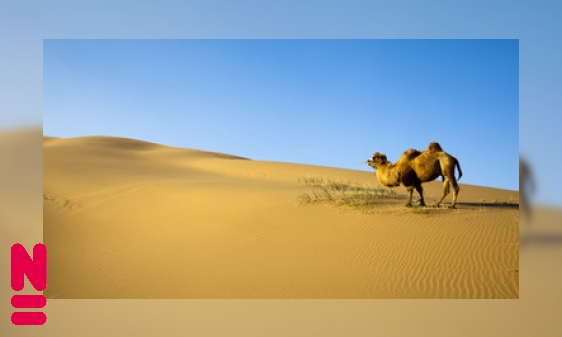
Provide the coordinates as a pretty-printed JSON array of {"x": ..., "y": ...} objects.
[{"x": 377, "y": 160}]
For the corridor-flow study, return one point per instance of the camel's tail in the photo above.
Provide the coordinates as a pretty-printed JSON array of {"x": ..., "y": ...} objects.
[{"x": 458, "y": 168}]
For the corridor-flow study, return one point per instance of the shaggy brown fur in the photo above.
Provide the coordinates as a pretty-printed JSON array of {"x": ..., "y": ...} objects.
[
  {"x": 387, "y": 174},
  {"x": 415, "y": 167}
]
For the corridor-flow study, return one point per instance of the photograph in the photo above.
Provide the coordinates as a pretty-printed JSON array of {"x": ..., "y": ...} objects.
[{"x": 281, "y": 168}]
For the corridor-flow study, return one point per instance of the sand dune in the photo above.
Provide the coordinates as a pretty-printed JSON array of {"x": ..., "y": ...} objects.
[{"x": 129, "y": 219}]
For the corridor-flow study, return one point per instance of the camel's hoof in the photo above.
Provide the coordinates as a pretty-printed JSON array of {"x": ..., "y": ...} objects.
[
  {"x": 409, "y": 204},
  {"x": 452, "y": 206}
]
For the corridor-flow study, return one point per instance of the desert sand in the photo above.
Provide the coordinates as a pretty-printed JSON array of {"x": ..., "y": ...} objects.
[{"x": 125, "y": 218}]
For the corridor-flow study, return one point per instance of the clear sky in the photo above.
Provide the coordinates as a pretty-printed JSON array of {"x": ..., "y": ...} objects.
[{"x": 320, "y": 102}]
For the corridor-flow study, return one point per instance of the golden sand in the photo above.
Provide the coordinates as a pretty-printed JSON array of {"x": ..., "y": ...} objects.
[{"x": 129, "y": 219}]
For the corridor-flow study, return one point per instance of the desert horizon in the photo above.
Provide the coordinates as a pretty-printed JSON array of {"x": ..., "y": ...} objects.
[{"x": 125, "y": 218}]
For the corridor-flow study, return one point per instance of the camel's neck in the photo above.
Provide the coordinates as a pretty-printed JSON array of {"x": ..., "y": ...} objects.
[{"x": 387, "y": 174}]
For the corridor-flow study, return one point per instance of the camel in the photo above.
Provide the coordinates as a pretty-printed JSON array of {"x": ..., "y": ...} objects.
[
  {"x": 415, "y": 167},
  {"x": 526, "y": 185}
]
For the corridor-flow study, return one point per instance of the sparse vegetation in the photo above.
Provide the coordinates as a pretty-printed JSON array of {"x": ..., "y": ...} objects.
[
  {"x": 511, "y": 201},
  {"x": 343, "y": 193}
]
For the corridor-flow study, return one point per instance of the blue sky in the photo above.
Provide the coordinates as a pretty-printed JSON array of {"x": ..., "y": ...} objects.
[{"x": 320, "y": 102}]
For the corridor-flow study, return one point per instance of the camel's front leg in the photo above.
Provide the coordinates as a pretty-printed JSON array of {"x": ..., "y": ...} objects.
[
  {"x": 419, "y": 188},
  {"x": 411, "y": 190}
]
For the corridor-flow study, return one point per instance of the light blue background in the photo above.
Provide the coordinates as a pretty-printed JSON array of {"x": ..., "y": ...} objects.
[{"x": 25, "y": 24}]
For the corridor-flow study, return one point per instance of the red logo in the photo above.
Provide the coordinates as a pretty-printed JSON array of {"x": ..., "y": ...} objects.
[{"x": 36, "y": 271}]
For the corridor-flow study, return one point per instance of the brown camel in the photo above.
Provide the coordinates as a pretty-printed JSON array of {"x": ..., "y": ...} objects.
[
  {"x": 415, "y": 167},
  {"x": 526, "y": 185}
]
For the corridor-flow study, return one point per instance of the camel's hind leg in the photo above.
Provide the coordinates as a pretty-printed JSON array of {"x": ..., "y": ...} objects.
[
  {"x": 445, "y": 191},
  {"x": 456, "y": 189}
]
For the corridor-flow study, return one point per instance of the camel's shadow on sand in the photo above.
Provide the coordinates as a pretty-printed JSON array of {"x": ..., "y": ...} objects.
[
  {"x": 499, "y": 204},
  {"x": 464, "y": 205}
]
